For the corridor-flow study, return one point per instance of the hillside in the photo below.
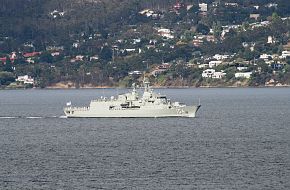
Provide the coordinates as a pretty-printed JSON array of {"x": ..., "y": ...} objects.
[{"x": 101, "y": 42}]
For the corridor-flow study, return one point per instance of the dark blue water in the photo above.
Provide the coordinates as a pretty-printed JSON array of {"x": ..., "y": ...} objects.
[{"x": 239, "y": 140}]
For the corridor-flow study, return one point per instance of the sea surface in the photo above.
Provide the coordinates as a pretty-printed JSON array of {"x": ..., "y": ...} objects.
[{"x": 240, "y": 139}]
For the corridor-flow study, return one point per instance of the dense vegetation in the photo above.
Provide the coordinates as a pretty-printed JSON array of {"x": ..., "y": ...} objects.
[{"x": 107, "y": 29}]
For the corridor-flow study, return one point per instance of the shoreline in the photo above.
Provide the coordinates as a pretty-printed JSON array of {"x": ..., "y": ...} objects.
[{"x": 154, "y": 87}]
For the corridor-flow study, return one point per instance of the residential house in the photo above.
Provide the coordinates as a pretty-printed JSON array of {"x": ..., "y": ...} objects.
[
  {"x": 265, "y": 57},
  {"x": 287, "y": 46},
  {"x": 242, "y": 68},
  {"x": 93, "y": 58},
  {"x": 212, "y": 64},
  {"x": 147, "y": 12},
  {"x": 3, "y": 60},
  {"x": 178, "y": 6},
  {"x": 254, "y": 16},
  {"x": 271, "y": 40},
  {"x": 25, "y": 79},
  {"x": 203, "y": 7},
  {"x": 218, "y": 75},
  {"x": 32, "y": 54},
  {"x": 270, "y": 5},
  {"x": 136, "y": 41},
  {"x": 208, "y": 73},
  {"x": 54, "y": 48},
  {"x": 56, "y": 14},
  {"x": 231, "y": 4},
  {"x": 248, "y": 44},
  {"x": 202, "y": 65},
  {"x": 166, "y": 33},
  {"x": 285, "y": 54},
  {"x": 197, "y": 42},
  {"x": 246, "y": 75},
  {"x": 132, "y": 73},
  {"x": 76, "y": 45},
  {"x": 211, "y": 73},
  {"x": 53, "y": 54},
  {"x": 220, "y": 57},
  {"x": 160, "y": 69}
]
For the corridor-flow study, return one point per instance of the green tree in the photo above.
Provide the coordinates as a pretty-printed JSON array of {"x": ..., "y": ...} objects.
[
  {"x": 46, "y": 57},
  {"x": 202, "y": 28},
  {"x": 6, "y": 78},
  {"x": 217, "y": 29},
  {"x": 8, "y": 65},
  {"x": 106, "y": 53}
]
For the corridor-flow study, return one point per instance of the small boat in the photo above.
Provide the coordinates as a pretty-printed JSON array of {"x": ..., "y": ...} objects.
[{"x": 132, "y": 105}]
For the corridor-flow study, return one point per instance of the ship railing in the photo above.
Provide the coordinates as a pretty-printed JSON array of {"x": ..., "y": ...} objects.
[
  {"x": 77, "y": 108},
  {"x": 103, "y": 100}
]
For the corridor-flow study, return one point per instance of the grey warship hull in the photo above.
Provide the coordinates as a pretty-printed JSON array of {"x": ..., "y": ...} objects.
[
  {"x": 86, "y": 112},
  {"x": 132, "y": 105}
]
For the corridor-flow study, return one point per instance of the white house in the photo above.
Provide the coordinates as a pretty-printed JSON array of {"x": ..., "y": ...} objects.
[
  {"x": 137, "y": 40},
  {"x": 218, "y": 75},
  {"x": 25, "y": 79},
  {"x": 135, "y": 73},
  {"x": 265, "y": 56},
  {"x": 221, "y": 57},
  {"x": 246, "y": 75},
  {"x": 271, "y": 40},
  {"x": 130, "y": 50},
  {"x": 211, "y": 73},
  {"x": 242, "y": 68},
  {"x": 53, "y": 54},
  {"x": 232, "y": 4},
  {"x": 212, "y": 64},
  {"x": 164, "y": 32},
  {"x": 76, "y": 44},
  {"x": 203, "y": 65},
  {"x": 96, "y": 57},
  {"x": 208, "y": 73},
  {"x": 285, "y": 54},
  {"x": 203, "y": 7}
]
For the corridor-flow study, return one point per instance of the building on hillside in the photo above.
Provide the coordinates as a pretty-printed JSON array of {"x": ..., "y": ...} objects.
[
  {"x": 25, "y": 79},
  {"x": 242, "y": 68},
  {"x": 197, "y": 42},
  {"x": 3, "y": 60},
  {"x": 287, "y": 46},
  {"x": 246, "y": 75},
  {"x": 54, "y": 54},
  {"x": 231, "y": 4},
  {"x": 208, "y": 73},
  {"x": 212, "y": 64},
  {"x": 218, "y": 75},
  {"x": 94, "y": 58},
  {"x": 271, "y": 40},
  {"x": 178, "y": 6},
  {"x": 135, "y": 73},
  {"x": 160, "y": 69},
  {"x": 255, "y": 16},
  {"x": 203, "y": 7},
  {"x": 220, "y": 57},
  {"x": 211, "y": 73},
  {"x": 157, "y": 72},
  {"x": 32, "y": 54},
  {"x": 265, "y": 57},
  {"x": 166, "y": 33},
  {"x": 285, "y": 54},
  {"x": 270, "y": 5},
  {"x": 54, "y": 48}
]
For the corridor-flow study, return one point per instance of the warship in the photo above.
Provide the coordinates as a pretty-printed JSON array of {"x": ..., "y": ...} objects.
[{"x": 133, "y": 105}]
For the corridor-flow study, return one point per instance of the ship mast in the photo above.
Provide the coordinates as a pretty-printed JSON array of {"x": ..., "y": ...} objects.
[{"x": 146, "y": 85}]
